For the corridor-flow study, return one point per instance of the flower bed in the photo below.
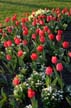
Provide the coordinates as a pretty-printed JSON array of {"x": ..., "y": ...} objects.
[{"x": 34, "y": 56}]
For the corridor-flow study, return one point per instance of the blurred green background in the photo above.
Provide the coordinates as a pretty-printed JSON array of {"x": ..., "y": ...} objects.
[{"x": 10, "y": 7}]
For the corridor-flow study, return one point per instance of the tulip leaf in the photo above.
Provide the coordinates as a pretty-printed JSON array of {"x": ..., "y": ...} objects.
[
  {"x": 68, "y": 100},
  {"x": 4, "y": 98}
]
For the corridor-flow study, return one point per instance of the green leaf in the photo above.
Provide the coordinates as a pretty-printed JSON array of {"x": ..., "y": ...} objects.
[
  {"x": 68, "y": 100},
  {"x": 6, "y": 66},
  {"x": 4, "y": 98},
  {"x": 13, "y": 102},
  {"x": 48, "y": 81},
  {"x": 14, "y": 63},
  {"x": 60, "y": 82},
  {"x": 3, "y": 80},
  {"x": 34, "y": 103},
  {"x": 59, "y": 79},
  {"x": 2, "y": 69},
  {"x": 54, "y": 81}
]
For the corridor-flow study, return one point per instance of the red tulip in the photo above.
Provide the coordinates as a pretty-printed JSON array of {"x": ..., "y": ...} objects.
[
  {"x": 8, "y": 57},
  {"x": 40, "y": 48},
  {"x": 65, "y": 44},
  {"x": 49, "y": 18},
  {"x": 54, "y": 59},
  {"x": 20, "y": 53},
  {"x": 42, "y": 39},
  {"x": 49, "y": 31},
  {"x": 69, "y": 54},
  {"x": 51, "y": 36},
  {"x": 41, "y": 22},
  {"x": 34, "y": 36},
  {"x": 41, "y": 33},
  {"x": 7, "y": 19},
  {"x": 58, "y": 38},
  {"x": 17, "y": 40},
  {"x": 25, "y": 32},
  {"x": 34, "y": 56},
  {"x": 9, "y": 43},
  {"x": 16, "y": 81},
  {"x": 25, "y": 42},
  {"x": 45, "y": 28},
  {"x": 37, "y": 31},
  {"x": 34, "y": 23},
  {"x": 1, "y": 30},
  {"x": 5, "y": 44},
  {"x": 14, "y": 18},
  {"x": 31, "y": 93},
  {"x": 59, "y": 67},
  {"x": 49, "y": 70},
  {"x": 9, "y": 29},
  {"x": 60, "y": 32},
  {"x": 17, "y": 23}
]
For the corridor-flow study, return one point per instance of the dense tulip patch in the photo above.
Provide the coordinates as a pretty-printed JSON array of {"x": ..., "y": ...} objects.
[{"x": 34, "y": 54}]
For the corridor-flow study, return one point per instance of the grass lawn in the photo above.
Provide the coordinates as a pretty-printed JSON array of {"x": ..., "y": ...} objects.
[{"x": 10, "y": 7}]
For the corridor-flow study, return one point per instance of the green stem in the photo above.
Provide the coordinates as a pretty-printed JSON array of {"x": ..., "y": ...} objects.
[
  {"x": 34, "y": 103},
  {"x": 59, "y": 78},
  {"x": 33, "y": 65},
  {"x": 48, "y": 81}
]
